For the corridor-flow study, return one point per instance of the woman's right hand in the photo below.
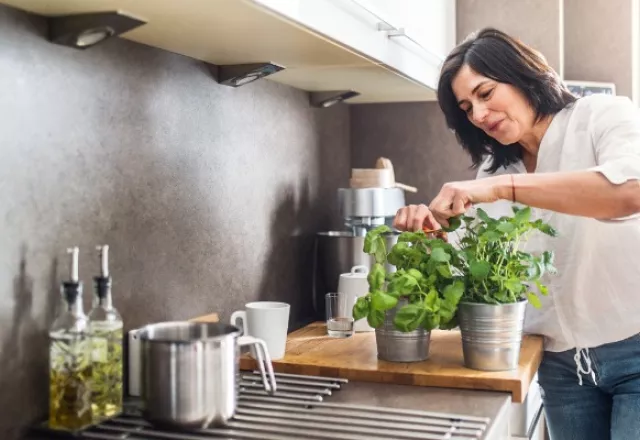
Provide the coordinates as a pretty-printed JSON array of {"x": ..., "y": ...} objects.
[{"x": 415, "y": 218}]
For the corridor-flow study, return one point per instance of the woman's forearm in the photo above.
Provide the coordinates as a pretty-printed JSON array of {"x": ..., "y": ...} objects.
[{"x": 583, "y": 193}]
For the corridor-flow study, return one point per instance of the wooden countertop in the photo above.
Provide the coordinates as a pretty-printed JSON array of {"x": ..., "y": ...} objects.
[{"x": 310, "y": 351}]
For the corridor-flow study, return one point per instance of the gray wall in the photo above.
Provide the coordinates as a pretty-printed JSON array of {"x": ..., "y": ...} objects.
[
  {"x": 208, "y": 196},
  {"x": 598, "y": 42},
  {"x": 414, "y": 136},
  {"x": 536, "y": 22}
]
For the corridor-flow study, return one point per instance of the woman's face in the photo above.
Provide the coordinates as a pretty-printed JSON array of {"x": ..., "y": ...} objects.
[{"x": 499, "y": 109}]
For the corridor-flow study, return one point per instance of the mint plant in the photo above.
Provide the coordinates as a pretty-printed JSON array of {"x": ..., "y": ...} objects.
[
  {"x": 426, "y": 276},
  {"x": 496, "y": 270}
]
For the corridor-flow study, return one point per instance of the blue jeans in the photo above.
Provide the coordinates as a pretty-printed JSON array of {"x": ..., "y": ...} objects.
[{"x": 609, "y": 410}]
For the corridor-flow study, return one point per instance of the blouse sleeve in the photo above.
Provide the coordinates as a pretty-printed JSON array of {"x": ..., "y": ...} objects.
[
  {"x": 616, "y": 143},
  {"x": 616, "y": 140}
]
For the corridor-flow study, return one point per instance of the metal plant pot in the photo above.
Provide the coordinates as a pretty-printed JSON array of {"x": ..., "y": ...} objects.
[
  {"x": 491, "y": 335},
  {"x": 396, "y": 346}
]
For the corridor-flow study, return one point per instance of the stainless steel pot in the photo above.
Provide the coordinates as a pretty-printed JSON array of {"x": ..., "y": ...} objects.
[{"x": 189, "y": 372}]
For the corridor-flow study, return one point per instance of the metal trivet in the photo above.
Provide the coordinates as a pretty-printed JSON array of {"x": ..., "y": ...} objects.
[{"x": 297, "y": 411}]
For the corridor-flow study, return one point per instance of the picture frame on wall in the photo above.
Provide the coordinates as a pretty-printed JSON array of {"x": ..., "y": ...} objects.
[{"x": 586, "y": 88}]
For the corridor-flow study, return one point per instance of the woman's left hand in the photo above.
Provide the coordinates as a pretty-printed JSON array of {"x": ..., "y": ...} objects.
[{"x": 456, "y": 197}]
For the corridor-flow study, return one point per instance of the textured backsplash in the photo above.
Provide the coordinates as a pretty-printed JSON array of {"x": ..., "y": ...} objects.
[
  {"x": 208, "y": 196},
  {"x": 414, "y": 136}
]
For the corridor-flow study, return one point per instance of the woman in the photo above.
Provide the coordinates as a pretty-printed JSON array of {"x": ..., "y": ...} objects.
[{"x": 576, "y": 162}]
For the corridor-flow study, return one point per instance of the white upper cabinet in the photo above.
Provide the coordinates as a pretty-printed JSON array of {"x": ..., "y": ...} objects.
[
  {"x": 409, "y": 37},
  {"x": 428, "y": 23},
  {"x": 386, "y": 50}
]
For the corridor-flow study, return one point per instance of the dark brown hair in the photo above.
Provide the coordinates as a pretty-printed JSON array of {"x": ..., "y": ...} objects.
[{"x": 498, "y": 56}]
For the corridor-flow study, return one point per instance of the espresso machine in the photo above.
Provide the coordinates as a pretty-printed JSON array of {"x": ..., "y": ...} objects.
[{"x": 336, "y": 252}]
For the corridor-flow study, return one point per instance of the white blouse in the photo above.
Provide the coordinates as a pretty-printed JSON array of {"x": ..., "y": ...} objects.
[{"x": 594, "y": 298}]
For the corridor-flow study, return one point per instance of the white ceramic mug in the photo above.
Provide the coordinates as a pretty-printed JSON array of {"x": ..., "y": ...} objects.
[{"x": 266, "y": 320}]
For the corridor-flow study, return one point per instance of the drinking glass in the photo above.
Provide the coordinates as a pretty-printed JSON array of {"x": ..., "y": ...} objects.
[{"x": 339, "y": 315}]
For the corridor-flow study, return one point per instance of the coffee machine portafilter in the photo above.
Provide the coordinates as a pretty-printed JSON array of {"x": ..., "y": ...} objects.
[{"x": 336, "y": 252}]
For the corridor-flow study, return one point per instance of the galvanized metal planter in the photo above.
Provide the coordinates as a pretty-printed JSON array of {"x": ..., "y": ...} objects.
[
  {"x": 396, "y": 346},
  {"x": 491, "y": 335}
]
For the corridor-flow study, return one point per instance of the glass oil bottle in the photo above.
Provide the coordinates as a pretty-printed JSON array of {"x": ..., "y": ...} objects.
[
  {"x": 106, "y": 330},
  {"x": 70, "y": 359}
]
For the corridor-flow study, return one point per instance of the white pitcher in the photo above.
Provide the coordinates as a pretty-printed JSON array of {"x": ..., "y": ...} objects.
[{"x": 354, "y": 284}]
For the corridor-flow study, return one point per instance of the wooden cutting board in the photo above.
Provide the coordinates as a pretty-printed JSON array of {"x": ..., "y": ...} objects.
[{"x": 310, "y": 351}]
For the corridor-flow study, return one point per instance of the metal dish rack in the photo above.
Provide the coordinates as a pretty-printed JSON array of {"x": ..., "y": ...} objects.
[{"x": 300, "y": 409}]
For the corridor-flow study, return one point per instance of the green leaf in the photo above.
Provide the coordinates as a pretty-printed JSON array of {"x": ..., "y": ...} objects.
[
  {"x": 449, "y": 304},
  {"x": 431, "y": 300},
  {"x": 453, "y": 293},
  {"x": 361, "y": 308},
  {"x": 402, "y": 284},
  {"x": 480, "y": 269},
  {"x": 448, "y": 324},
  {"x": 489, "y": 299},
  {"x": 490, "y": 236},
  {"x": 483, "y": 215},
  {"x": 542, "y": 288},
  {"x": 431, "y": 321},
  {"x": 376, "y": 277},
  {"x": 374, "y": 243},
  {"x": 535, "y": 269},
  {"x": 444, "y": 270},
  {"x": 545, "y": 228},
  {"x": 394, "y": 258},
  {"x": 534, "y": 300},
  {"x": 514, "y": 285},
  {"x": 372, "y": 237},
  {"x": 547, "y": 259},
  {"x": 439, "y": 255},
  {"x": 505, "y": 227},
  {"x": 454, "y": 223},
  {"x": 415, "y": 257},
  {"x": 415, "y": 273},
  {"x": 410, "y": 237},
  {"x": 381, "y": 251},
  {"x": 400, "y": 247},
  {"x": 375, "y": 318},
  {"x": 383, "y": 301},
  {"x": 523, "y": 215},
  {"x": 409, "y": 317}
]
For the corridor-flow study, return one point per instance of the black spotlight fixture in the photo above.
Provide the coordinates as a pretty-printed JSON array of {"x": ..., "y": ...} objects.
[
  {"x": 327, "y": 99},
  {"x": 81, "y": 31},
  {"x": 236, "y": 75}
]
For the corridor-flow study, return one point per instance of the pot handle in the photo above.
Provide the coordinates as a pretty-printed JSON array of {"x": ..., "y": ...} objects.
[{"x": 262, "y": 358}]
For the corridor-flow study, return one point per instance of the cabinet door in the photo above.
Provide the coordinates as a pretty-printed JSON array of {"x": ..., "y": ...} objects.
[
  {"x": 366, "y": 28},
  {"x": 427, "y": 23}
]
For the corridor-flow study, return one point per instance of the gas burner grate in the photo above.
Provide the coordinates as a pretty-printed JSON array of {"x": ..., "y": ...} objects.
[{"x": 298, "y": 411}]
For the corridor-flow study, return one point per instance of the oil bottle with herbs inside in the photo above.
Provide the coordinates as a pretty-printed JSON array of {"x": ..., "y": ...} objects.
[
  {"x": 105, "y": 329},
  {"x": 70, "y": 358}
]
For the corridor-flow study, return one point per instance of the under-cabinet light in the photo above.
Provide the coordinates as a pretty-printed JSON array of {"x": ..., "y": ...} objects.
[
  {"x": 236, "y": 75},
  {"x": 81, "y": 31},
  {"x": 327, "y": 99}
]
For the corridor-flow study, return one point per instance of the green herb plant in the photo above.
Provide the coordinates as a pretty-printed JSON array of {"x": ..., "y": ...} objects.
[
  {"x": 488, "y": 267},
  {"x": 425, "y": 275},
  {"x": 496, "y": 270}
]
